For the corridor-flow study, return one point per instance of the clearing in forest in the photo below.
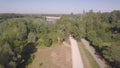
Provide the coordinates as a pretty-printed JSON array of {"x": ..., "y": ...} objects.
[{"x": 53, "y": 57}]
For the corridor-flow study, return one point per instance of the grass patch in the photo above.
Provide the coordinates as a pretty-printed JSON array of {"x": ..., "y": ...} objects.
[{"x": 87, "y": 58}]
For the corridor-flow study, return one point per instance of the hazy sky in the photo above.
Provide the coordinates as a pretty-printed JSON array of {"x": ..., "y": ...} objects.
[{"x": 57, "y": 6}]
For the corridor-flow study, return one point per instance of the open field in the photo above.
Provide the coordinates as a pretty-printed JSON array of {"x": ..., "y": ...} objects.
[{"x": 53, "y": 57}]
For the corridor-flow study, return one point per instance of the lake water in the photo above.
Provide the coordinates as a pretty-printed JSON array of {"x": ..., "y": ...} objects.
[{"x": 51, "y": 20}]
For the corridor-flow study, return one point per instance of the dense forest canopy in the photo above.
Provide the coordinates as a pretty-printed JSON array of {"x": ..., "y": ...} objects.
[{"x": 20, "y": 34}]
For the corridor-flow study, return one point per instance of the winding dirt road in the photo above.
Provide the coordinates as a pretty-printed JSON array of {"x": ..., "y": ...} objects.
[{"x": 76, "y": 57}]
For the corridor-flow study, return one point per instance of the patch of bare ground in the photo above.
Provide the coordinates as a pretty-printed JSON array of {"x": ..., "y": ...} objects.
[{"x": 53, "y": 57}]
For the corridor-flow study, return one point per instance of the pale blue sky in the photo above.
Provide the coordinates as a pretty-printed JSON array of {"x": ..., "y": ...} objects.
[{"x": 57, "y": 6}]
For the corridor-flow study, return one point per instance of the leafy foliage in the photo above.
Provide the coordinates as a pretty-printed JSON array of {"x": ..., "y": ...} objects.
[
  {"x": 21, "y": 33},
  {"x": 104, "y": 28}
]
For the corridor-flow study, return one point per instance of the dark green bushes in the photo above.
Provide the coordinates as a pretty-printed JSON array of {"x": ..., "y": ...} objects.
[{"x": 103, "y": 33}]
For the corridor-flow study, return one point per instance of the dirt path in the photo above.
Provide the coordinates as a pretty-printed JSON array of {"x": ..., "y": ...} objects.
[
  {"x": 98, "y": 59},
  {"x": 76, "y": 57}
]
